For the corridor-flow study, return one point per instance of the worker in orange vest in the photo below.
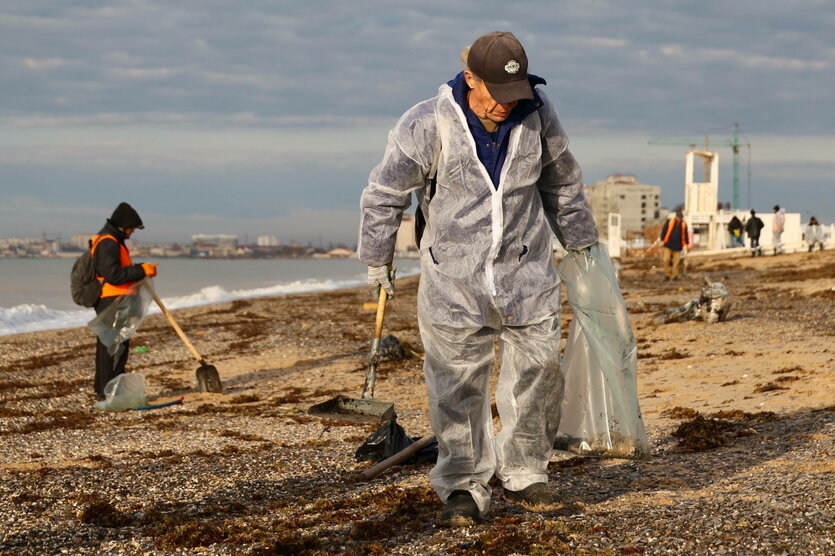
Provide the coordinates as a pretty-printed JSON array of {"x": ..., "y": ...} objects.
[
  {"x": 675, "y": 236},
  {"x": 119, "y": 275}
]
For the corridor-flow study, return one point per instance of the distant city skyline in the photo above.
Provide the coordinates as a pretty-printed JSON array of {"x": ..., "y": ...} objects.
[{"x": 266, "y": 119}]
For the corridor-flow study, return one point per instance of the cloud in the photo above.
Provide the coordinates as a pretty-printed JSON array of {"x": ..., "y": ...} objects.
[
  {"x": 300, "y": 64},
  {"x": 250, "y": 111}
]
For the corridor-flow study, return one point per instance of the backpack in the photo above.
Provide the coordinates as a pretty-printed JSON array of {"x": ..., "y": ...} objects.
[{"x": 84, "y": 286}]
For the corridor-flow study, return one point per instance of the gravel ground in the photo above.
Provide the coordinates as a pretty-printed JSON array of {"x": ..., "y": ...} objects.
[{"x": 248, "y": 472}]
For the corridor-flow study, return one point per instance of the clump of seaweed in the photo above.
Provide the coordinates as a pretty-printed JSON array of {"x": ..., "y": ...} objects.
[
  {"x": 576, "y": 461},
  {"x": 102, "y": 513},
  {"x": 680, "y": 413},
  {"x": 25, "y": 497},
  {"x": 673, "y": 353},
  {"x": 786, "y": 370},
  {"x": 292, "y": 395},
  {"x": 102, "y": 461},
  {"x": 511, "y": 538},
  {"x": 191, "y": 535},
  {"x": 701, "y": 434},
  {"x": 245, "y": 398},
  {"x": 743, "y": 417},
  {"x": 290, "y": 542},
  {"x": 241, "y": 436},
  {"x": 768, "y": 387},
  {"x": 11, "y": 412},
  {"x": 76, "y": 420},
  {"x": 386, "y": 512}
]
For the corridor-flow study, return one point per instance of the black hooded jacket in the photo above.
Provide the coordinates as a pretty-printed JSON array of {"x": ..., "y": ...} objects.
[
  {"x": 107, "y": 259},
  {"x": 735, "y": 224},
  {"x": 753, "y": 227}
]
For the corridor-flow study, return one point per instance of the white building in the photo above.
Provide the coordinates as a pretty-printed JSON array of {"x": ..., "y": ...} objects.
[
  {"x": 406, "y": 235},
  {"x": 217, "y": 245},
  {"x": 82, "y": 241},
  {"x": 637, "y": 203},
  {"x": 709, "y": 224},
  {"x": 267, "y": 241}
]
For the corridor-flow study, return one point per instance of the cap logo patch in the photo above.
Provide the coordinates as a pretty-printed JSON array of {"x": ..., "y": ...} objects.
[{"x": 512, "y": 67}]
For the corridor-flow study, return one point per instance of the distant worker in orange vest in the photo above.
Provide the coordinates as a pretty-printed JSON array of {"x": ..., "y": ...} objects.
[
  {"x": 118, "y": 274},
  {"x": 675, "y": 236}
]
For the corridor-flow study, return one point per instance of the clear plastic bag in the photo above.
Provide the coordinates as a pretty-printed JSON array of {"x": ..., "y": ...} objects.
[
  {"x": 126, "y": 391},
  {"x": 600, "y": 414},
  {"x": 122, "y": 318}
]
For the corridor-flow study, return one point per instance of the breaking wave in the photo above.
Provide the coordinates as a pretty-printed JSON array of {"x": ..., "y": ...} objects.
[{"x": 32, "y": 318}]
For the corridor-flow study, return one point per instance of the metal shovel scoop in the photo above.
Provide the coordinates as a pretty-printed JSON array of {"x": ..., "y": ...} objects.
[
  {"x": 364, "y": 409},
  {"x": 208, "y": 379}
]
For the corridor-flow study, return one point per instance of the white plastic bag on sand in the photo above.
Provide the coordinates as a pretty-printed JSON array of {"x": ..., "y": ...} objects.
[
  {"x": 122, "y": 318},
  {"x": 126, "y": 391},
  {"x": 600, "y": 413}
]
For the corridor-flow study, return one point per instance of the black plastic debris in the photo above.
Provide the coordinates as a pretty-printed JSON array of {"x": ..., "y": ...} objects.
[
  {"x": 390, "y": 348},
  {"x": 391, "y": 438}
]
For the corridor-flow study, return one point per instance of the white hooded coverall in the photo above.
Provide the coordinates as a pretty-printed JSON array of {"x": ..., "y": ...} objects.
[{"x": 486, "y": 272}]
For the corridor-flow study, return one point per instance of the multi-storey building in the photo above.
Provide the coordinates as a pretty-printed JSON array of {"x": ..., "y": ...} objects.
[
  {"x": 215, "y": 245},
  {"x": 268, "y": 241},
  {"x": 637, "y": 203}
]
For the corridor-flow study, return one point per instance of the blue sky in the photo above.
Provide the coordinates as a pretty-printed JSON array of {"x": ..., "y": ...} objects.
[{"x": 265, "y": 117}]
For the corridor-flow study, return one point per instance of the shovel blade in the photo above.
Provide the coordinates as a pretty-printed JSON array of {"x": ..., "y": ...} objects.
[
  {"x": 343, "y": 408},
  {"x": 208, "y": 379}
]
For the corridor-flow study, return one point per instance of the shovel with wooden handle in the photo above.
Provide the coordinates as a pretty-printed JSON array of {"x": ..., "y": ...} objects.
[
  {"x": 396, "y": 459},
  {"x": 208, "y": 379},
  {"x": 364, "y": 409}
]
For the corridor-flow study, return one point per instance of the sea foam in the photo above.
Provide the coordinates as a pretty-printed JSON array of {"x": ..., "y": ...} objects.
[{"x": 33, "y": 318}]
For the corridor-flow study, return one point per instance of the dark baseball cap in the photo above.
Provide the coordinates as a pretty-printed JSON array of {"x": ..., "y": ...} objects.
[{"x": 499, "y": 60}]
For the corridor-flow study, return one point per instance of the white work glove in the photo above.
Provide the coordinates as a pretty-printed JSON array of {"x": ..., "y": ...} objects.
[{"x": 379, "y": 276}]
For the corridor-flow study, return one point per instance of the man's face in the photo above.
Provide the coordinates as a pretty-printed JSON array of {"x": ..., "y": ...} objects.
[
  {"x": 482, "y": 104},
  {"x": 128, "y": 231}
]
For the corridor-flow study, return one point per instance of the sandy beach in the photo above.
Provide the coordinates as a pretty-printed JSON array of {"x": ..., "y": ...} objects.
[{"x": 249, "y": 472}]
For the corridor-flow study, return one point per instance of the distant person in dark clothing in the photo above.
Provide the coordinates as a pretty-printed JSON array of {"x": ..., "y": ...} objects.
[
  {"x": 753, "y": 227},
  {"x": 675, "y": 237},
  {"x": 118, "y": 275},
  {"x": 735, "y": 229}
]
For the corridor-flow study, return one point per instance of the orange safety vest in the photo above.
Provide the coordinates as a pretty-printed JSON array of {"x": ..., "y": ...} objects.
[
  {"x": 108, "y": 289},
  {"x": 683, "y": 232}
]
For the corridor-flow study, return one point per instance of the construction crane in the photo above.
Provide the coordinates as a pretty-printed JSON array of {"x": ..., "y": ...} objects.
[{"x": 733, "y": 143}]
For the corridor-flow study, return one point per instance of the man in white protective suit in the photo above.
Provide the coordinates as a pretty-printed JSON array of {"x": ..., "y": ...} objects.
[{"x": 505, "y": 182}]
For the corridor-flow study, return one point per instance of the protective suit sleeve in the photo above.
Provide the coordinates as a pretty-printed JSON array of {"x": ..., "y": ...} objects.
[
  {"x": 404, "y": 168},
  {"x": 561, "y": 184}
]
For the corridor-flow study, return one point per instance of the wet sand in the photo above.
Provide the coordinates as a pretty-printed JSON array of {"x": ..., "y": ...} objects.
[{"x": 248, "y": 471}]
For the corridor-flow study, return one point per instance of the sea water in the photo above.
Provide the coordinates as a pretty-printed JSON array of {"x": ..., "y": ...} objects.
[{"x": 35, "y": 293}]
